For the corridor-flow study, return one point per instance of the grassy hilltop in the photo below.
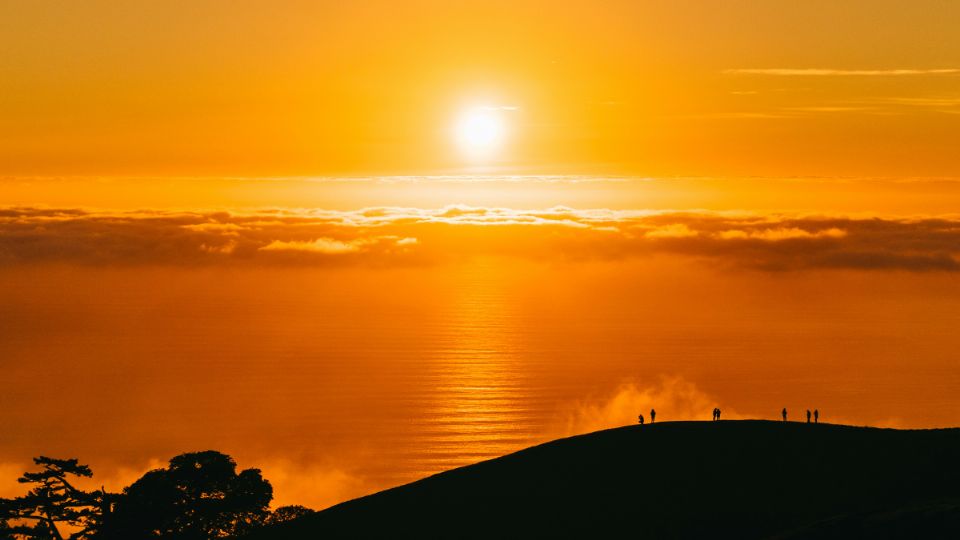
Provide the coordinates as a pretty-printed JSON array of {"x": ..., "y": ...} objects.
[{"x": 729, "y": 479}]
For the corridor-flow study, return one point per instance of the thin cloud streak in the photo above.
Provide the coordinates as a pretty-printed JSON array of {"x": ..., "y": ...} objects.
[{"x": 815, "y": 72}]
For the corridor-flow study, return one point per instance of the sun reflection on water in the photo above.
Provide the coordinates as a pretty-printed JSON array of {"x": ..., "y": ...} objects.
[{"x": 478, "y": 410}]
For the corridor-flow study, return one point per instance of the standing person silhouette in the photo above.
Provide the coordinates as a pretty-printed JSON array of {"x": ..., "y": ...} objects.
[
  {"x": 653, "y": 416},
  {"x": 714, "y": 417},
  {"x": 784, "y": 414},
  {"x": 808, "y": 416},
  {"x": 718, "y": 414},
  {"x": 640, "y": 419},
  {"x": 816, "y": 416}
]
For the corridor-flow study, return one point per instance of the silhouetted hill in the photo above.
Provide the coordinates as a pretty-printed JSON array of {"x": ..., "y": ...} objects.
[{"x": 730, "y": 479}]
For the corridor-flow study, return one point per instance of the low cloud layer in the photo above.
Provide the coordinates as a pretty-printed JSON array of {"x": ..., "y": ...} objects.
[{"x": 410, "y": 236}]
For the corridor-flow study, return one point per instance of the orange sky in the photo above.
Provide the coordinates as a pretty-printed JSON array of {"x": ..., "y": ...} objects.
[
  {"x": 262, "y": 227},
  {"x": 287, "y": 87}
]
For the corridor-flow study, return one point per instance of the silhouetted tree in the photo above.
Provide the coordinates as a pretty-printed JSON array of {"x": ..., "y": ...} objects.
[
  {"x": 53, "y": 500},
  {"x": 5, "y": 532},
  {"x": 199, "y": 496},
  {"x": 288, "y": 513}
]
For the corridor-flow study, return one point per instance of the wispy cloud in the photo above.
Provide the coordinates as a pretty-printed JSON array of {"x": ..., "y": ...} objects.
[
  {"x": 391, "y": 236},
  {"x": 330, "y": 246},
  {"x": 782, "y": 233},
  {"x": 927, "y": 101},
  {"x": 744, "y": 115},
  {"x": 674, "y": 398},
  {"x": 829, "y": 109},
  {"x": 815, "y": 72},
  {"x": 866, "y": 106}
]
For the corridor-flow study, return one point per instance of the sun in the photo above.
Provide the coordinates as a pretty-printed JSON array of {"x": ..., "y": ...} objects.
[{"x": 480, "y": 131}]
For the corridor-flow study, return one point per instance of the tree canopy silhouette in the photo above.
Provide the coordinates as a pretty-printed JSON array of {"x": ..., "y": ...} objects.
[
  {"x": 200, "y": 496},
  {"x": 288, "y": 513},
  {"x": 52, "y": 500}
]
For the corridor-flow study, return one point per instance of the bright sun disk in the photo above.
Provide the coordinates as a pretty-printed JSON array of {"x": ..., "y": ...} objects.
[{"x": 479, "y": 131}]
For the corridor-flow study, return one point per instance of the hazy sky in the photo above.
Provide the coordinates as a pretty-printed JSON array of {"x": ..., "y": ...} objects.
[{"x": 287, "y": 87}]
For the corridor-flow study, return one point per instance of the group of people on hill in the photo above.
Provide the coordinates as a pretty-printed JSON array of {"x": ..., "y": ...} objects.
[
  {"x": 716, "y": 415},
  {"x": 816, "y": 415}
]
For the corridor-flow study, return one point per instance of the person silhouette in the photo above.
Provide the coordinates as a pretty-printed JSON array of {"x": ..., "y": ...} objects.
[
  {"x": 714, "y": 413},
  {"x": 718, "y": 413},
  {"x": 816, "y": 416},
  {"x": 653, "y": 416},
  {"x": 808, "y": 416},
  {"x": 640, "y": 419},
  {"x": 784, "y": 414}
]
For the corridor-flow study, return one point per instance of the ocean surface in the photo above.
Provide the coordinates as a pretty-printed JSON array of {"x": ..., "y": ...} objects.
[{"x": 342, "y": 381}]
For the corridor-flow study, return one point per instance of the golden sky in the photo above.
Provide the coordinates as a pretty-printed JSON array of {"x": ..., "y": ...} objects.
[
  {"x": 288, "y": 87},
  {"x": 356, "y": 243}
]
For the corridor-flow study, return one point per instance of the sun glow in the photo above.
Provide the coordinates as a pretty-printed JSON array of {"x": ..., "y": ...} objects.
[{"x": 480, "y": 132}]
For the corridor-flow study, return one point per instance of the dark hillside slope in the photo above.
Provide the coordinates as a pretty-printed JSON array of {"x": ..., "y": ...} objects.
[{"x": 730, "y": 479}]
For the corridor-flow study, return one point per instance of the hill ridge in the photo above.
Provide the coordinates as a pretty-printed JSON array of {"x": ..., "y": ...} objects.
[{"x": 682, "y": 479}]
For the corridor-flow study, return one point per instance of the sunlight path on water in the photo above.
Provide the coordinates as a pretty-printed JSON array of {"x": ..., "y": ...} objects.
[{"x": 480, "y": 407}]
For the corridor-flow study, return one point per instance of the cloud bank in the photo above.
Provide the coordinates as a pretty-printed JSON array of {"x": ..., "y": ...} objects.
[{"x": 393, "y": 236}]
